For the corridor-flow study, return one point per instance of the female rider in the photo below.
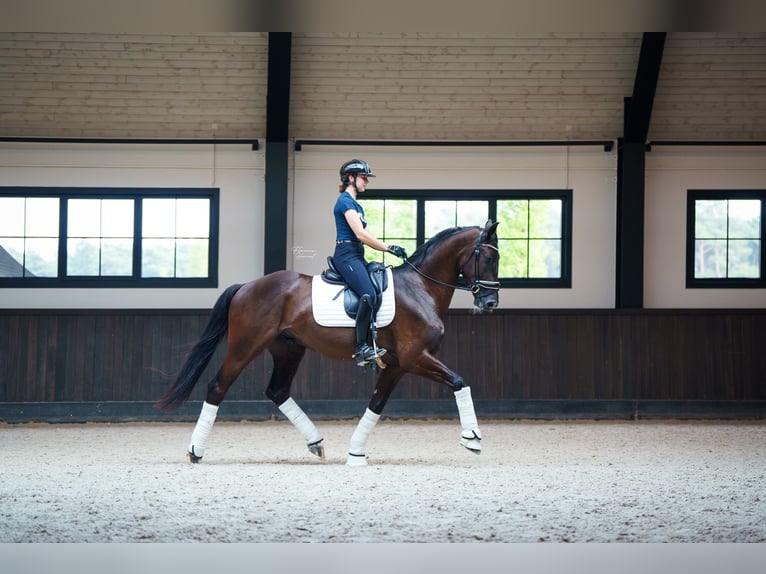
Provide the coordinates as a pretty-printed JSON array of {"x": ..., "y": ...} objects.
[{"x": 351, "y": 236}]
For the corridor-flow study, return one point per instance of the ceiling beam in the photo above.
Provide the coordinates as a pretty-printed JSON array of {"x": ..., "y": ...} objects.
[
  {"x": 276, "y": 156},
  {"x": 639, "y": 112},
  {"x": 631, "y": 157}
]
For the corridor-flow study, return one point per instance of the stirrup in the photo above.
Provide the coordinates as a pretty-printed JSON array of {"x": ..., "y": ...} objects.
[{"x": 367, "y": 354}]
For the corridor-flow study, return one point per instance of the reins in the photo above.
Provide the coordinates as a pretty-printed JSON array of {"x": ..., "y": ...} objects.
[{"x": 477, "y": 284}]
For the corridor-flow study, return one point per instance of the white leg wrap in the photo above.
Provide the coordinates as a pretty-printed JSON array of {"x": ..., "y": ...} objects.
[
  {"x": 363, "y": 430},
  {"x": 301, "y": 421},
  {"x": 468, "y": 420},
  {"x": 202, "y": 430}
]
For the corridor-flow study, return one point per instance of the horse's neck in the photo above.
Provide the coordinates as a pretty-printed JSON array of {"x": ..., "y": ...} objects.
[
  {"x": 447, "y": 267},
  {"x": 444, "y": 270},
  {"x": 449, "y": 264}
]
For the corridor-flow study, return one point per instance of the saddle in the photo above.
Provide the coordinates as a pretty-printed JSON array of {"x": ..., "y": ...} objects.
[{"x": 378, "y": 276}]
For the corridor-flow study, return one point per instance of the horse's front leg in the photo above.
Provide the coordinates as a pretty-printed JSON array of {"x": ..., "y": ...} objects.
[
  {"x": 431, "y": 368},
  {"x": 470, "y": 437},
  {"x": 385, "y": 385}
]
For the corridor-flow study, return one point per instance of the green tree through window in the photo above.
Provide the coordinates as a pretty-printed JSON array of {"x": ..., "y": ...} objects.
[
  {"x": 534, "y": 235},
  {"x": 725, "y": 231},
  {"x": 108, "y": 237}
]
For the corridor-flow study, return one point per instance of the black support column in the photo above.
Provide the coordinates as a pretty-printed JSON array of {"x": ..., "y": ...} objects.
[
  {"x": 630, "y": 225},
  {"x": 631, "y": 174},
  {"x": 277, "y": 122}
]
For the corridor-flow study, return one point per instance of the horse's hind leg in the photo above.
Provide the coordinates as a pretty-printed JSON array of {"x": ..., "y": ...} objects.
[
  {"x": 239, "y": 354},
  {"x": 201, "y": 432},
  {"x": 287, "y": 354},
  {"x": 216, "y": 391}
]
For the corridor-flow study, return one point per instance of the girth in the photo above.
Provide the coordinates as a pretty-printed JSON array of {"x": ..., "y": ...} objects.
[{"x": 378, "y": 276}]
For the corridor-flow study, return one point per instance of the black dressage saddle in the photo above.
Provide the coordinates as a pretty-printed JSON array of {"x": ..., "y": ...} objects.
[{"x": 378, "y": 276}]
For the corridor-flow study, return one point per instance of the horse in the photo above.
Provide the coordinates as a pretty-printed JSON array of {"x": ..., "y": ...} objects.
[{"x": 274, "y": 313}]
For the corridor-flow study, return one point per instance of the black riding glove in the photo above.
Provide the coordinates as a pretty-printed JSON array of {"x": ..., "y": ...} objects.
[{"x": 398, "y": 251}]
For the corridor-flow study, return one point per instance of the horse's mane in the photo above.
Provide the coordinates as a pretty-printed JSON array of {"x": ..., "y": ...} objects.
[{"x": 422, "y": 252}]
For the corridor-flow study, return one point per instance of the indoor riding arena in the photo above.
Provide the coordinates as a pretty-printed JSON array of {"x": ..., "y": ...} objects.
[
  {"x": 541, "y": 481},
  {"x": 576, "y": 343}
]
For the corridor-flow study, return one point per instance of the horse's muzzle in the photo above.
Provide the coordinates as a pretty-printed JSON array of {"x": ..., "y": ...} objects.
[{"x": 486, "y": 302}]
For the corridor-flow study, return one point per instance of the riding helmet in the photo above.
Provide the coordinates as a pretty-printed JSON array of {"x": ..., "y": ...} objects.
[{"x": 355, "y": 167}]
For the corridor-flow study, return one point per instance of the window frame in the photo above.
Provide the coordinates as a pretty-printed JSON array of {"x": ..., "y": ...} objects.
[
  {"x": 492, "y": 196},
  {"x": 721, "y": 282},
  {"x": 135, "y": 280}
]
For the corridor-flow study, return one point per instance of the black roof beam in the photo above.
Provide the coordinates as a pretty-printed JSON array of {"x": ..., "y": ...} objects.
[
  {"x": 629, "y": 287},
  {"x": 639, "y": 110},
  {"x": 276, "y": 156}
]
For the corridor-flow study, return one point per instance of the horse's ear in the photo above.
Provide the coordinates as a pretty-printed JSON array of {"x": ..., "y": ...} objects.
[{"x": 490, "y": 227}]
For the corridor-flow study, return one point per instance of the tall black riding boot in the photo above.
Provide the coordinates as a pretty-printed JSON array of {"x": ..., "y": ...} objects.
[{"x": 365, "y": 353}]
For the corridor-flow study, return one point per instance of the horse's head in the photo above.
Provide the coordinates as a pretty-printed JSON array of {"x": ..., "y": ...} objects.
[
  {"x": 476, "y": 247},
  {"x": 481, "y": 268}
]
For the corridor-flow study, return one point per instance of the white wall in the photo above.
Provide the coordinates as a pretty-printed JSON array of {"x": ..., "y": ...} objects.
[
  {"x": 236, "y": 170},
  {"x": 670, "y": 172},
  {"x": 588, "y": 171}
]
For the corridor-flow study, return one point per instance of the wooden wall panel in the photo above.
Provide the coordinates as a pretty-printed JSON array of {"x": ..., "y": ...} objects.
[{"x": 48, "y": 356}]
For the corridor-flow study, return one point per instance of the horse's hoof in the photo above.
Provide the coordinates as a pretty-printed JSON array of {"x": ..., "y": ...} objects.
[
  {"x": 472, "y": 444},
  {"x": 192, "y": 458},
  {"x": 356, "y": 460},
  {"x": 317, "y": 449}
]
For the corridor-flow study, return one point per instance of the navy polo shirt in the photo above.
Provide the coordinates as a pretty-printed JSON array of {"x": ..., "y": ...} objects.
[{"x": 342, "y": 205}]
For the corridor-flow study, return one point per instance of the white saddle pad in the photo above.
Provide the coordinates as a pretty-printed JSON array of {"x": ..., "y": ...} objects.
[{"x": 330, "y": 313}]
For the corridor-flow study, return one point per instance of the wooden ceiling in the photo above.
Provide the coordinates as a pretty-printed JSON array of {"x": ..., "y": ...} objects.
[{"x": 711, "y": 86}]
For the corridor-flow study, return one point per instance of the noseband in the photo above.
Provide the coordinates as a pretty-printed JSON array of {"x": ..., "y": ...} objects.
[{"x": 477, "y": 284}]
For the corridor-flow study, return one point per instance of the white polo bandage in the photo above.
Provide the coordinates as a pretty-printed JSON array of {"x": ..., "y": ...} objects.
[
  {"x": 203, "y": 428},
  {"x": 362, "y": 431},
  {"x": 301, "y": 421},
  {"x": 467, "y": 414}
]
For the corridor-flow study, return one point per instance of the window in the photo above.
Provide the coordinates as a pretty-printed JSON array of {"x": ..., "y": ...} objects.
[
  {"x": 534, "y": 235},
  {"x": 99, "y": 237},
  {"x": 175, "y": 237},
  {"x": 724, "y": 246},
  {"x": 108, "y": 237},
  {"x": 29, "y": 229}
]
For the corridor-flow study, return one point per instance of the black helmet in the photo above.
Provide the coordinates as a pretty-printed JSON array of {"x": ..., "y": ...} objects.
[{"x": 355, "y": 167}]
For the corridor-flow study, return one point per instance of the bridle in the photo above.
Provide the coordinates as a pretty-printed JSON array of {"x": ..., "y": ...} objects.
[{"x": 477, "y": 284}]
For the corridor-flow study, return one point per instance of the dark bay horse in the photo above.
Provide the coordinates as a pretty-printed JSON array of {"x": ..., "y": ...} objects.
[{"x": 274, "y": 313}]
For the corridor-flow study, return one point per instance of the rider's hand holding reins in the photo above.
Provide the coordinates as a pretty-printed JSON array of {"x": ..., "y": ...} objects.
[{"x": 398, "y": 251}]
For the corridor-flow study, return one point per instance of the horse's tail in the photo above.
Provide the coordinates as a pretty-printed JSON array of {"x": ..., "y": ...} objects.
[{"x": 217, "y": 325}]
